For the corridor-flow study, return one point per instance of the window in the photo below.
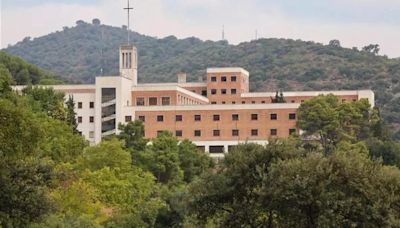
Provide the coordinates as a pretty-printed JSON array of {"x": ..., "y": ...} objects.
[
  {"x": 160, "y": 118},
  {"x": 213, "y": 79},
  {"x": 91, "y": 104},
  {"x": 233, "y": 91},
  {"x": 223, "y": 91},
  {"x": 223, "y": 102},
  {"x": 235, "y": 117},
  {"x": 204, "y": 93},
  {"x": 128, "y": 118},
  {"x": 274, "y": 116},
  {"x": 79, "y": 119},
  {"x": 165, "y": 101},
  {"x": 253, "y": 102},
  {"x": 197, "y": 133},
  {"x": 91, "y": 134},
  {"x": 233, "y": 79},
  {"x": 140, "y": 101},
  {"x": 178, "y": 133},
  {"x": 216, "y": 117},
  {"x": 273, "y": 132},
  {"x": 262, "y": 102},
  {"x": 153, "y": 101},
  {"x": 213, "y": 91},
  {"x": 302, "y": 101},
  {"x": 235, "y": 132},
  {"x": 254, "y": 116},
  {"x": 79, "y": 105},
  {"x": 343, "y": 100},
  {"x": 292, "y": 116},
  {"x": 197, "y": 117},
  {"x": 142, "y": 118},
  {"x": 216, "y": 133},
  {"x": 292, "y": 131},
  {"x": 254, "y": 132},
  {"x": 178, "y": 118},
  {"x": 91, "y": 119},
  {"x": 223, "y": 79},
  {"x": 159, "y": 133},
  {"x": 233, "y": 102},
  {"x": 213, "y": 102},
  {"x": 243, "y": 102}
]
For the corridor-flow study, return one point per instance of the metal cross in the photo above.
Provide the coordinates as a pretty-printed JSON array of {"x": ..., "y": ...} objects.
[{"x": 129, "y": 10}]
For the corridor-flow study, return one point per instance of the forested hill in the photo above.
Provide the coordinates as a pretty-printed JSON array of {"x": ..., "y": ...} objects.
[{"x": 78, "y": 53}]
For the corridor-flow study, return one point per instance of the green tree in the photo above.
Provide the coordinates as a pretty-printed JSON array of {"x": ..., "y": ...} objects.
[
  {"x": 71, "y": 114},
  {"x": 133, "y": 135},
  {"x": 5, "y": 81}
]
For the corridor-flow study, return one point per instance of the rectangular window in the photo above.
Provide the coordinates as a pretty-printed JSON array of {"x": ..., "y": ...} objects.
[
  {"x": 292, "y": 116},
  {"x": 254, "y": 132},
  {"x": 254, "y": 116},
  {"x": 213, "y": 79},
  {"x": 153, "y": 101},
  {"x": 233, "y": 79},
  {"x": 128, "y": 118},
  {"x": 91, "y": 119},
  {"x": 165, "y": 100},
  {"x": 235, "y": 117},
  {"x": 293, "y": 101},
  {"x": 292, "y": 131},
  {"x": 223, "y": 79},
  {"x": 273, "y": 132},
  {"x": 159, "y": 133},
  {"x": 79, "y": 119},
  {"x": 235, "y": 132},
  {"x": 233, "y": 91},
  {"x": 178, "y": 118},
  {"x": 216, "y": 117},
  {"x": 233, "y": 102},
  {"x": 243, "y": 102},
  {"x": 274, "y": 116},
  {"x": 178, "y": 133},
  {"x": 91, "y": 104},
  {"x": 197, "y": 117},
  {"x": 79, "y": 105},
  {"x": 253, "y": 102},
  {"x": 197, "y": 133},
  {"x": 262, "y": 102},
  {"x": 213, "y": 102},
  {"x": 91, "y": 134},
  {"x": 204, "y": 93},
  {"x": 223, "y": 102},
  {"x": 140, "y": 101},
  {"x": 216, "y": 133},
  {"x": 223, "y": 91},
  {"x": 213, "y": 91},
  {"x": 160, "y": 118},
  {"x": 142, "y": 118}
]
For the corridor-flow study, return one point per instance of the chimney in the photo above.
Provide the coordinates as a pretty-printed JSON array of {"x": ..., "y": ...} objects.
[{"x": 181, "y": 77}]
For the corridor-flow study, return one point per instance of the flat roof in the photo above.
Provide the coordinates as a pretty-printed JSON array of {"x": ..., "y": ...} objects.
[{"x": 227, "y": 70}]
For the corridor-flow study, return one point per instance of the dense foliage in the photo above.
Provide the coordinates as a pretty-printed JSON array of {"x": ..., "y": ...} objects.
[{"x": 79, "y": 53}]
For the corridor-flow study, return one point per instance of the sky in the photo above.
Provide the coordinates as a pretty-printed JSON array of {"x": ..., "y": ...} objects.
[{"x": 356, "y": 23}]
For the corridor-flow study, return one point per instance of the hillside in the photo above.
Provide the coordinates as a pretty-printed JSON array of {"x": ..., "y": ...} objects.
[{"x": 78, "y": 54}]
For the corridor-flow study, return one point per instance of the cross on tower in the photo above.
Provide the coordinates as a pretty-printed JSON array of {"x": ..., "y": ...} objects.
[{"x": 129, "y": 11}]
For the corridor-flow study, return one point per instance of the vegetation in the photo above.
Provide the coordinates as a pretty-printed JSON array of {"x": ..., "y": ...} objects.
[{"x": 81, "y": 52}]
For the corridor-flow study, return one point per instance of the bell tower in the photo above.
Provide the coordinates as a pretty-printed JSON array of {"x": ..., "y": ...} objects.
[{"x": 128, "y": 62}]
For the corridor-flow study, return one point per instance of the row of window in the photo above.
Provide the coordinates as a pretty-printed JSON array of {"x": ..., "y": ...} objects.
[
  {"x": 91, "y": 119},
  {"x": 153, "y": 101},
  {"x": 216, "y": 117},
  {"x": 224, "y": 79},
  {"x": 235, "y": 132},
  {"x": 80, "y": 105},
  {"x": 223, "y": 91}
]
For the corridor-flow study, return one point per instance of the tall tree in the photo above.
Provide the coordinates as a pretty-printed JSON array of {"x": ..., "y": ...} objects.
[{"x": 71, "y": 114}]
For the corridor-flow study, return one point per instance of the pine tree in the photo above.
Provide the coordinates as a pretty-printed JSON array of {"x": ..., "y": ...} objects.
[{"x": 71, "y": 115}]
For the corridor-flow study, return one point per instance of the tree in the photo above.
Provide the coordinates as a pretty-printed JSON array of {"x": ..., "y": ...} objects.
[
  {"x": 96, "y": 21},
  {"x": 278, "y": 98},
  {"x": 5, "y": 81},
  {"x": 334, "y": 43},
  {"x": 133, "y": 135},
  {"x": 71, "y": 114},
  {"x": 372, "y": 48}
]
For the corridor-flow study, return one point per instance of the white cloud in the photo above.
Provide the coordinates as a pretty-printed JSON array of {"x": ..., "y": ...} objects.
[{"x": 200, "y": 18}]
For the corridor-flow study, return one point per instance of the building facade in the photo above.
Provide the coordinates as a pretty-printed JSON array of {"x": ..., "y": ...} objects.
[{"x": 215, "y": 115}]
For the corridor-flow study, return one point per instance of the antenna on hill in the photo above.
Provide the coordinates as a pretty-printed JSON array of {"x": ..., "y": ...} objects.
[
  {"x": 128, "y": 9},
  {"x": 256, "y": 34}
]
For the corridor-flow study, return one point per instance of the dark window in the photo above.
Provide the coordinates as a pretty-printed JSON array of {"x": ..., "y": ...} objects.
[
  {"x": 79, "y": 105},
  {"x": 213, "y": 102},
  {"x": 213, "y": 79},
  {"x": 128, "y": 118},
  {"x": 165, "y": 101},
  {"x": 178, "y": 133},
  {"x": 217, "y": 149},
  {"x": 213, "y": 91},
  {"x": 223, "y": 79},
  {"x": 223, "y": 91},
  {"x": 274, "y": 132},
  {"x": 254, "y": 116},
  {"x": 91, "y": 105},
  {"x": 292, "y": 116},
  {"x": 79, "y": 119},
  {"x": 243, "y": 102},
  {"x": 233, "y": 91},
  {"x": 233, "y": 102},
  {"x": 159, "y": 133},
  {"x": 293, "y": 101},
  {"x": 216, "y": 133},
  {"x": 216, "y": 117},
  {"x": 262, "y": 102},
  {"x": 253, "y": 102},
  {"x": 233, "y": 79},
  {"x": 235, "y": 117},
  {"x": 160, "y": 118},
  {"x": 91, "y": 119},
  {"x": 178, "y": 118},
  {"x": 274, "y": 116},
  {"x": 142, "y": 118},
  {"x": 223, "y": 102},
  {"x": 153, "y": 101},
  {"x": 254, "y": 132},
  {"x": 292, "y": 131},
  {"x": 140, "y": 101},
  {"x": 197, "y": 117},
  {"x": 204, "y": 93},
  {"x": 197, "y": 133},
  {"x": 235, "y": 132}
]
